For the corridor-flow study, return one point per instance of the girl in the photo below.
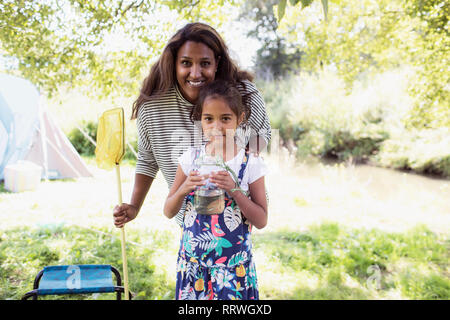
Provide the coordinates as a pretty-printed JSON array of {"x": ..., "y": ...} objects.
[{"x": 215, "y": 259}]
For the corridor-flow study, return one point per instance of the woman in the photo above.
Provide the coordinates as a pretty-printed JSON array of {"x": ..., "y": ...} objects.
[{"x": 195, "y": 56}]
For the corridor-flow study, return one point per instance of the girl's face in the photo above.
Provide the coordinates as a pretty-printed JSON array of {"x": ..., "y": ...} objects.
[
  {"x": 218, "y": 120},
  {"x": 195, "y": 66}
]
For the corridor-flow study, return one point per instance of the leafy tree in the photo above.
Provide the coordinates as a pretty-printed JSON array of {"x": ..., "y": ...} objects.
[
  {"x": 431, "y": 58},
  {"x": 371, "y": 36},
  {"x": 276, "y": 57},
  {"x": 64, "y": 42},
  {"x": 55, "y": 42},
  {"x": 281, "y": 6}
]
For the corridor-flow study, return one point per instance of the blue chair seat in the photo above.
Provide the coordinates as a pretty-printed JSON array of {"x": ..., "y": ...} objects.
[{"x": 75, "y": 279}]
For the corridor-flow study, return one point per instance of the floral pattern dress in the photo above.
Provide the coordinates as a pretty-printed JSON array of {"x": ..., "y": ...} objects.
[{"x": 215, "y": 259}]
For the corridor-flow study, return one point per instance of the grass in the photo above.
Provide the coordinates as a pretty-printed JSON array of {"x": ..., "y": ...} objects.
[
  {"x": 325, "y": 262},
  {"x": 334, "y": 232},
  {"x": 24, "y": 251},
  {"x": 332, "y": 262}
]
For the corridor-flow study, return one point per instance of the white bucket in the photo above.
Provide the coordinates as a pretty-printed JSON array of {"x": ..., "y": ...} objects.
[{"x": 22, "y": 176}]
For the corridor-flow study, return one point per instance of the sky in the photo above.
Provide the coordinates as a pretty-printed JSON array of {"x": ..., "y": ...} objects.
[{"x": 242, "y": 48}]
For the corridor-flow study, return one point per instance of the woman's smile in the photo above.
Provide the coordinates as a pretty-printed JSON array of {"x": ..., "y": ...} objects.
[{"x": 196, "y": 84}]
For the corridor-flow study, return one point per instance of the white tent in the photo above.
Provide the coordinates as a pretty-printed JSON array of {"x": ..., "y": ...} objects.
[{"x": 28, "y": 132}]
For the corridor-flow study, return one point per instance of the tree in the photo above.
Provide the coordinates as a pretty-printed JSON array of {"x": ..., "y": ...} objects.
[
  {"x": 281, "y": 6},
  {"x": 372, "y": 36},
  {"x": 276, "y": 57},
  {"x": 431, "y": 58},
  {"x": 63, "y": 42}
]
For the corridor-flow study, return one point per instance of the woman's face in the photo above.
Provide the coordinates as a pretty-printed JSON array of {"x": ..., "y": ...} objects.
[{"x": 195, "y": 67}]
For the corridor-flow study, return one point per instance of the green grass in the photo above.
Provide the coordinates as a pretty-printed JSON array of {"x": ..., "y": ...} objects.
[
  {"x": 342, "y": 263},
  {"x": 328, "y": 261},
  {"x": 25, "y": 251},
  {"x": 334, "y": 232}
]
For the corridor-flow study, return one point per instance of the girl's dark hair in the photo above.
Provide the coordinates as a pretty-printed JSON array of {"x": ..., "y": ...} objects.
[
  {"x": 162, "y": 74},
  {"x": 223, "y": 90}
]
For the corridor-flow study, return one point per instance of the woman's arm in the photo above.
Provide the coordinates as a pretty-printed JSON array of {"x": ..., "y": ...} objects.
[
  {"x": 125, "y": 212},
  {"x": 146, "y": 169},
  {"x": 142, "y": 184},
  {"x": 181, "y": 187}
]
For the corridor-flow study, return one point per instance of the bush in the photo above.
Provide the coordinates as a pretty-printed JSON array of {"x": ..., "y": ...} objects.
[
  {"x": 340, "y": 144},
  {"x": 424, "y": 151},
  {"x": 85, "y": 147},
  {"x": 82, "y": 144},
  {"x": 318, "y": 114},
  {"x": 277, "y": 95},
  {"x": 322, "y": 119},
  {"x": 128, "y": 152}
]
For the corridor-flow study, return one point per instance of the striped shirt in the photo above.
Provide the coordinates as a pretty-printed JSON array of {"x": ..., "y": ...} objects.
[{"x": 165, "y": 131}]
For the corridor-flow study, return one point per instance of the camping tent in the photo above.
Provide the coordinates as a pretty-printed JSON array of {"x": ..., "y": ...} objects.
[{"x": 27, "y": 132}]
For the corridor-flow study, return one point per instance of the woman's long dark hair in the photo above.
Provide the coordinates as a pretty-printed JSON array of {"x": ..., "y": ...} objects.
[{"x": 162, "y": 74}]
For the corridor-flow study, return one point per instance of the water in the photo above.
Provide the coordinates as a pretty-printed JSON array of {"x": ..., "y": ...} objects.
[
  {"x": 303, "y": 194},
  {"x": 209, "y": 201}
]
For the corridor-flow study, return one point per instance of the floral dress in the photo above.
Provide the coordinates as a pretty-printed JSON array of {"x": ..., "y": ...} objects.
[{"x": 215, "y": 259}]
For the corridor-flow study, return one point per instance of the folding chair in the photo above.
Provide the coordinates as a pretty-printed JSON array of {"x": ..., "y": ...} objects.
[{"x": 75, "y": 279}]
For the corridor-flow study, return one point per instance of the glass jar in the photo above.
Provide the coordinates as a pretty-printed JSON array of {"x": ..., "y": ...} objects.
[{"x": 208, "y": 199}]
